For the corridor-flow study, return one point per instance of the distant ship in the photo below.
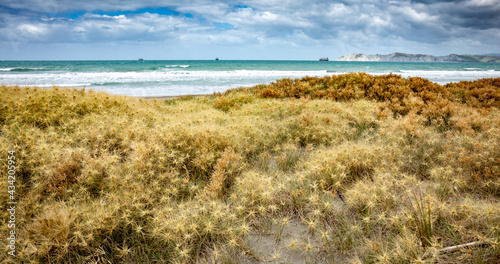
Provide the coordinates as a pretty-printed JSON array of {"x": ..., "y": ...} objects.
[
  {"x": 140, "y": 59},
  {"x": 324, "y": 59},
  {"x": 217, "y": 58}
]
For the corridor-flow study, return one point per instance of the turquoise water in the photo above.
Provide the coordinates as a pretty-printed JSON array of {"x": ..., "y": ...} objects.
[{"x": 156, "y": 78}]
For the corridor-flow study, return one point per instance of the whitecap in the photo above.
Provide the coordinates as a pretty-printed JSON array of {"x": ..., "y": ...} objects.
[
  {"x": 176, "y": 66},
  {"x": 443, "y": 77}
]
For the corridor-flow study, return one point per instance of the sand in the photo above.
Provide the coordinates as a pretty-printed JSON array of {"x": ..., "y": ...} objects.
[{"x": 168, "y": 97}]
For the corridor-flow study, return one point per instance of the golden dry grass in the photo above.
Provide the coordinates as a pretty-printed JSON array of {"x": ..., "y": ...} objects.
[{"x": 367, "y": 168}]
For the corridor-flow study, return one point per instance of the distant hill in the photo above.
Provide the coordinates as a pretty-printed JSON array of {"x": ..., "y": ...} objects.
[{"x": 405, "y": 57}]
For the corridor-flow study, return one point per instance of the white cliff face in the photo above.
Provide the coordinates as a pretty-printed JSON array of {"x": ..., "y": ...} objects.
[
  {"x": 359, "y": 57},
  {"x": 403, "y": 57}
]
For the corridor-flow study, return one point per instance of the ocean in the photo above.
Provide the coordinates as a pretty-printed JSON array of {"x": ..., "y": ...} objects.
[{"x": 182, "y": 77}]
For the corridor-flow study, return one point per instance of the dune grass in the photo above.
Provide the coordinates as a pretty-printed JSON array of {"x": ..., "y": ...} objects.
[{"x": 351, "y": 168}]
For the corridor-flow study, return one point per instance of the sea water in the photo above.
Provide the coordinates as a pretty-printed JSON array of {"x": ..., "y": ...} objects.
[{"x": 182, "y": 77}]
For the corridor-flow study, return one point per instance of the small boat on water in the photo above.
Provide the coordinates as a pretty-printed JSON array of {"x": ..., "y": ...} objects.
[
  {"x": 140, "y": 59},
  {"x": 324, "y": 59},
  {"x": 217, "y": 58}
]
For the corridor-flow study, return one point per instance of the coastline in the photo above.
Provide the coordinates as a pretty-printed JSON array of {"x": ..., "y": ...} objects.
[
  {"x": 162, "y": 79},
  {"x": 170, "y": 97}
]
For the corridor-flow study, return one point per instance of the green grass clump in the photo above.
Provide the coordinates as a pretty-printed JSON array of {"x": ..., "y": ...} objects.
[{"x": 347, "y": 168}]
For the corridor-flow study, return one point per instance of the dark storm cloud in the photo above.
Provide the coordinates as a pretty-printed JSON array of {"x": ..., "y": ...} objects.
[
  {"x": 476, "y": 14},
  {"x": 481, "y": 17}
]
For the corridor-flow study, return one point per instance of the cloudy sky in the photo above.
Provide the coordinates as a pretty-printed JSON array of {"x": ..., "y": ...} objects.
[{"x": 246, "y": 29}]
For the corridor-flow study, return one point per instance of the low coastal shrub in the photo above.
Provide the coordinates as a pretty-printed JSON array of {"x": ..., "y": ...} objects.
[
  {"x": 401, "y": 95},
  {"x": 345, "y": 168}
]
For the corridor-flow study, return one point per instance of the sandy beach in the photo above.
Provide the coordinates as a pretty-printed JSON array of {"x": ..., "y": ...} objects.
[{"x": 167, "y": 97}]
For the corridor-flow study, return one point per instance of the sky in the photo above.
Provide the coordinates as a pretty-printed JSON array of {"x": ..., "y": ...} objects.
[{"x": 253, "y": 29}]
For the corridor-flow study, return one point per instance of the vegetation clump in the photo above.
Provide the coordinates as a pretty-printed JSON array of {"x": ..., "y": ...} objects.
[{"x": 347, "y": 168}]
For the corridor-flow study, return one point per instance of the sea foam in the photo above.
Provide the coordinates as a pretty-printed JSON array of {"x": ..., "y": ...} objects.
[{"x": 154, "y": 78}]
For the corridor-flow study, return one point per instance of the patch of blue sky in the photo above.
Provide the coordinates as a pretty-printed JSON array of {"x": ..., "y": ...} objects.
[
  {"x": 71, "y": 15},
  {"x": 235, "y": 8},
  {"x": 159, "y": 11},
  {"x": 220, "y": 25},
  {"x": 75, "y": 15}
]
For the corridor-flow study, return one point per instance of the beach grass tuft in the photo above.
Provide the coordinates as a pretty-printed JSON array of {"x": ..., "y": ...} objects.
[{"x": 346, "y": 168}]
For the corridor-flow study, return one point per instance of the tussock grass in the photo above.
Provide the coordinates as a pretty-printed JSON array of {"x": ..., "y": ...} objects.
[{"x": 366, "y": 168}]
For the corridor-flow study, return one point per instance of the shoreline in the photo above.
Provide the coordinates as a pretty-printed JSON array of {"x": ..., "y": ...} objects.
[{"x": 170, "y": 97}]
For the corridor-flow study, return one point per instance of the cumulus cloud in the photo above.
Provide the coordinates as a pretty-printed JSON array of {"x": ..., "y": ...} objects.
[
  {"x": 95, "y": 27},
  {"x": 248, "y": 22}
]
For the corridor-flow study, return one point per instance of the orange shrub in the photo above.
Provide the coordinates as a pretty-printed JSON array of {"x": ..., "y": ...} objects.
[{"x": 400, "y": 95}]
